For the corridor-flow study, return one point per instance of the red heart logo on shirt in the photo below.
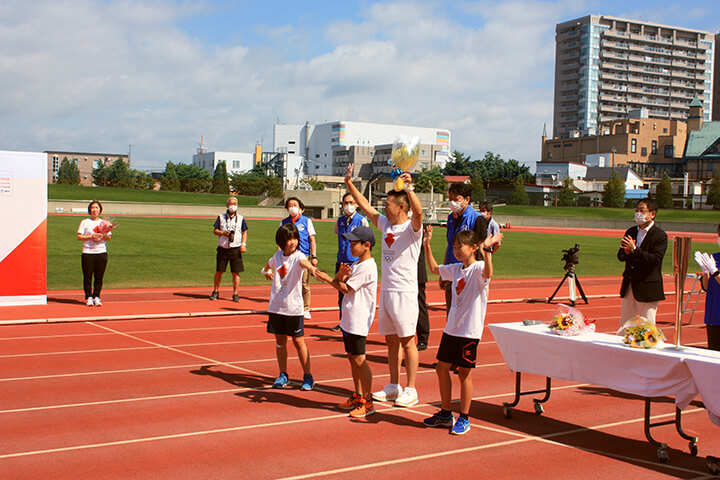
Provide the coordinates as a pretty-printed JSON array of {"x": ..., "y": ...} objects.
[
  {"x": 282, "y": 271},
  {"x": 460, "y": 286},
  {"x": 390, "y": 239}
]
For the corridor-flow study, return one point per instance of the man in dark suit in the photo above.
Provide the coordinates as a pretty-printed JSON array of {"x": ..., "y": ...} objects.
[{"x": 642, "y": 248}]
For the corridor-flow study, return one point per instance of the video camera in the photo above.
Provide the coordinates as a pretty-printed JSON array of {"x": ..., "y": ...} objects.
[{"x": 570, "y": 257}]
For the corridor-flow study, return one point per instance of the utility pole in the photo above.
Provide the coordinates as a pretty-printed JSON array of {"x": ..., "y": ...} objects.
[{"x": 129, "y": 154}]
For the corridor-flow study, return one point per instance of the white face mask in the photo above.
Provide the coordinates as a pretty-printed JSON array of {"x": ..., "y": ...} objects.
[
  {"x": 232, "y": 208},
  {"x": 455, "y": 206},
  {"x": 349, "y": 209},
  {"x": 294, "y": 211},
  {"x": 640, "y": 218}
]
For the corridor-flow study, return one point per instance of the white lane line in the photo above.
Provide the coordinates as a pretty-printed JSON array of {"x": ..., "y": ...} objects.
[
  {"x": 522, "y": 438},
  {"x": 180, "y": 395},
  {"x": 172, "y": 349}
]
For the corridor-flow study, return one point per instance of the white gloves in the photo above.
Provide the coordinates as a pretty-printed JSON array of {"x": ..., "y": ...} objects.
[{"x": 706, "y": 262}]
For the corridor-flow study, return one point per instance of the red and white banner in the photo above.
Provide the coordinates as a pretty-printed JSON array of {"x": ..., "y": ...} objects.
[{"x": 23, "y": 220}]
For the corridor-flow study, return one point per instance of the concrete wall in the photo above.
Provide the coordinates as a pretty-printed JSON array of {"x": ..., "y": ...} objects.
[{"x": 128, "y": 208}]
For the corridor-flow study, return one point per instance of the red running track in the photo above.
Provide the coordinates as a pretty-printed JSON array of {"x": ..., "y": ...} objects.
[{"x": 190, "y": 398}]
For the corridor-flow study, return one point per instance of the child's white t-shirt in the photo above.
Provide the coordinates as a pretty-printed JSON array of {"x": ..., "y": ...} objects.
[
  {"x": 358, "y": 305},
  {"x": 469, "y": 299},
  {"x": 400, "y": 251},
  {"x": 286, "y": 292},
  {"x": 87, "y": 227}
]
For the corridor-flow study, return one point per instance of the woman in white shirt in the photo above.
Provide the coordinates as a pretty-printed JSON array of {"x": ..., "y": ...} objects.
[{"x": 94, "y": 232}]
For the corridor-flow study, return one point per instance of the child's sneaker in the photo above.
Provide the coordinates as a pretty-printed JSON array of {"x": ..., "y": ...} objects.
[
  {"x": 97, "y": 302},
  {"x": 90, "y": 302},
  {"x": 391, "y": 391},
  {"x": 351, "y": 402},
  {"x": 308, "y": 382},
  {"x": 438, "y": 420},
  {"x": 461, "y": 427},
  {"x": 407, "y": 398},
  {"x": 363, "y": 409},
  {"x": 281, "y": 381}
]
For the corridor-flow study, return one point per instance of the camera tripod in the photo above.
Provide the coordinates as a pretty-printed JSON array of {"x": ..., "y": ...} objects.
[{"x": 573, "y": 280}]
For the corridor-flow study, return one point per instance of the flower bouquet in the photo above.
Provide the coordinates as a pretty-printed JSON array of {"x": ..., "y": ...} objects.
[
  {"x": 404, "y": 157},
  {"x": 640, "y": 332},
  {"x": 569, "y": 321},
  {"x": 105, "y": 226}
]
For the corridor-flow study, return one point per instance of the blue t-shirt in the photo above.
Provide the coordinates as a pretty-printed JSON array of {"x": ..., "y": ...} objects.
[
  {"x": 454, "y": 225},
  {"x": 712, "y": 299}
]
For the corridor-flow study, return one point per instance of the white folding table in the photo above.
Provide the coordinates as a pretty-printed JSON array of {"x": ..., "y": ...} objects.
[{"x": 602, "y": 359}]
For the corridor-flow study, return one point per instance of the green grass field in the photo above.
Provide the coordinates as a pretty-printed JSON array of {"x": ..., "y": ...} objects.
[
  {"x": 106, "y": 194},
  {"x": 701, "y": 216},
  {"x": 180, "y": 252}
]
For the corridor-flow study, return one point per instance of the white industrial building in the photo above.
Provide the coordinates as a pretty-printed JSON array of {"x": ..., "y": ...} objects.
[
  {"x": 234, "y": 162},
  {"x": 327, "y": 145}
]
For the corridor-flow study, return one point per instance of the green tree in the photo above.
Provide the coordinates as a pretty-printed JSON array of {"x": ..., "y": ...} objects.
[
  {"x": 220, "y": 183},
  {"x": 315, "y": 184},
  {"x": 663, "y": 193},
  {"x": 567, "y": 196},
  {"x": 427, "y": 177},
  {"x": 193, "y": 178},
  {"x": 120, "y": 175},
  {"x": 614, "y": 192},
  {"x": 100, "y": 174},
  {"x": 713, "y": 193},
  {"x": 68, "y": 173},
  {"x": 254, "y": 183},
  {"x": 478, "y": 189},
  {"x": 519, "y": 195},
  {"x": 460, "y": 164},
  {"x": 170, "y": 180}
]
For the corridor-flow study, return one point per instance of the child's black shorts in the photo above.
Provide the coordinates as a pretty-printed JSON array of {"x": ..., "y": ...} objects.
[
  {"x": 292, "y": 326},
  {"x": 354, "y": 344},
  {"x": 458, "y": 351}
]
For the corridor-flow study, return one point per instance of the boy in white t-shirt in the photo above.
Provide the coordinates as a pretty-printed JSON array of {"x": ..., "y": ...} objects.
[
  {"x": 358, "y": 283},
  {"x": 465, "y": 321},
  {"x": 285, "y": 310},
  {"x": 397, "y": 304}
]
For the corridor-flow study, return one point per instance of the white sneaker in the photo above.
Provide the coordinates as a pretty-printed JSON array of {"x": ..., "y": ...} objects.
[
  {"x": 391, "y": 391},
  {"x": 307, "y": 314},
  {"x": 97, "y": 301},
  {"x": 90, "y": 302},
  {"x": 407, "y": 398}
]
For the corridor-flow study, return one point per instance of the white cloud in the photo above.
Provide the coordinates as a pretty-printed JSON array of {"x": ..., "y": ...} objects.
[{"x": 97, "y": 75}]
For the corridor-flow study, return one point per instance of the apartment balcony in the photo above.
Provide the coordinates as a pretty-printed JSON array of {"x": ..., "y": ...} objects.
[
  {"x": 569, "y": 87},
  {"x": 611, "y": 66},
  {"x": 605, "y": 97},
  {"x": 678, "y": 104},
  {"x": 683, "y": 74},
  {"x": 569, "y": 66},
  {"x": 569, "y": 108},
  {"x": 569, "y": 35},
  {"x": 569, "y": 77},
  {"x": 611, "y": 108}
]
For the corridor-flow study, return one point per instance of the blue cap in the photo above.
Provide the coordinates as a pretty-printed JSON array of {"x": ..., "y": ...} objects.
[{"x": 361, "y": 233}]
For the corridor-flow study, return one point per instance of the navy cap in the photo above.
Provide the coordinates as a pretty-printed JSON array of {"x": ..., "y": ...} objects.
[{"x": 361, "y": 233}]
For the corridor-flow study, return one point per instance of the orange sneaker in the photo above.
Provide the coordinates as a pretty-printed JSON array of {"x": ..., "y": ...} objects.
[
  {"x": 363, "y": 409},
  {"x": 351, "y": 402}
]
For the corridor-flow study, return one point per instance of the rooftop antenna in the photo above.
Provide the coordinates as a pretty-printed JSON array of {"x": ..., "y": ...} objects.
[{"x": 202, "y": 147}]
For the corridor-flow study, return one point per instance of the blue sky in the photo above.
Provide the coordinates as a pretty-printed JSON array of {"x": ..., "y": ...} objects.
[{"x": 99, "y": 75}]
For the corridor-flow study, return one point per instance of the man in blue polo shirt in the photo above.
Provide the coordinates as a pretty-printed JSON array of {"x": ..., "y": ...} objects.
[
  {"x": 347, "y": 222},
  {"x": 462, "y": 217},
  {"x": 306, "y": 243}
]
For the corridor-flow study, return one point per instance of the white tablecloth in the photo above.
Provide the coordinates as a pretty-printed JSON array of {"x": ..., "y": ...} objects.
[{"x": 602, "y": 359}]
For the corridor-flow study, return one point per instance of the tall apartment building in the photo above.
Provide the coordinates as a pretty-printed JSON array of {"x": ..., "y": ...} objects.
[{"x": 607, "y": 66}]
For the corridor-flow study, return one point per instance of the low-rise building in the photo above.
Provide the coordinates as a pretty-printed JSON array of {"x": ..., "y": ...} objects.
[{"x": 85, "y": 162}]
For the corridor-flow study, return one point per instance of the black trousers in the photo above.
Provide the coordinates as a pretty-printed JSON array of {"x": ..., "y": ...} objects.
[
  {"x": 423, "y": 324},
  {"x": 713, "y": 336},
  {"x": 93, "y": 264}
]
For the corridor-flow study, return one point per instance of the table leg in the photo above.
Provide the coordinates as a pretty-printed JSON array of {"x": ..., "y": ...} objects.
[
  {"x": 518, "y": 393},
  {"x": 662, "y": 447}
]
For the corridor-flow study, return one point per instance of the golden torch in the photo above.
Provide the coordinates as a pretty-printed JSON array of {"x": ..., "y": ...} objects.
[{"x": 681, "y": 254}]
